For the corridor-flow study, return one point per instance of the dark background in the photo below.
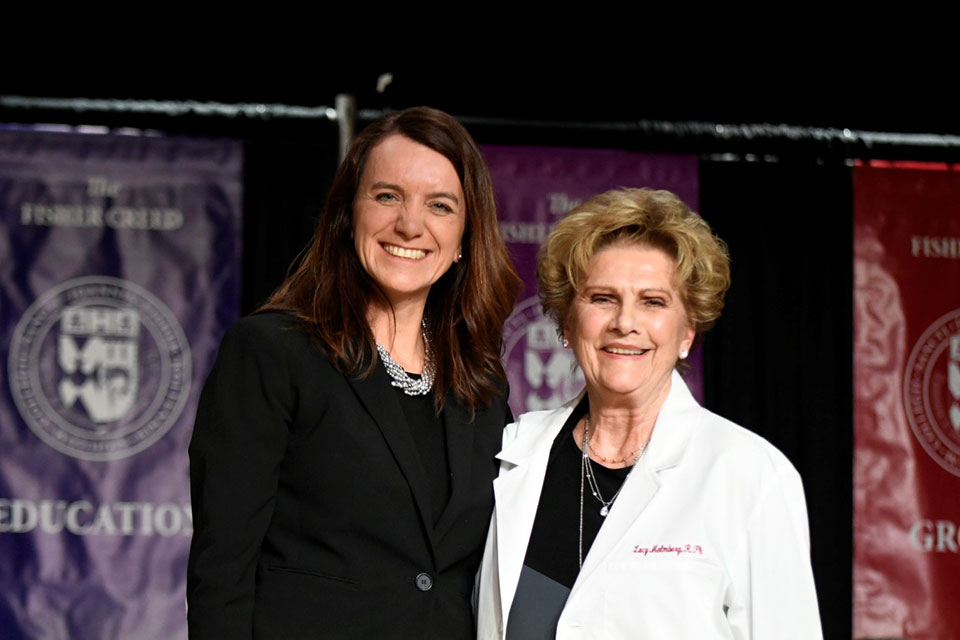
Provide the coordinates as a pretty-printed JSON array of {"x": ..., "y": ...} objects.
[{"x": 780, "y": 359}]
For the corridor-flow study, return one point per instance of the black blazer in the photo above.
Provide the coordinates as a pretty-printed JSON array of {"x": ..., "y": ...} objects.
[{"x": 311, "y": 508}]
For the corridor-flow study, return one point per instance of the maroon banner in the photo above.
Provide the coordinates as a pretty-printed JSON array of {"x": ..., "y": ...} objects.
[
  {"x": 535, "y": 188},
  {"x": 907, "y": 401}
]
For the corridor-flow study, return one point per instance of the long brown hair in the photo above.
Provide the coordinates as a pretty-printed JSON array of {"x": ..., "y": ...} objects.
[{"x": 330, "y": 291}]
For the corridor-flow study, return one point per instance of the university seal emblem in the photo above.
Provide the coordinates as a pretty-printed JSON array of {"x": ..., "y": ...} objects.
[
  {"x": 931, "y": 391},
  {"x": 99, "y": 368},
  {"x": 542, "y": 374}
]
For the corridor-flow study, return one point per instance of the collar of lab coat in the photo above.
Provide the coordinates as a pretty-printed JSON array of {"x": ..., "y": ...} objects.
[
  {"x": 536, "y": 430},
  {"x": 521, "y": 480}
]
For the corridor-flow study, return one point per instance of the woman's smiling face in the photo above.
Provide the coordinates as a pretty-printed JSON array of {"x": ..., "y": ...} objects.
[
  {"x": 409, "y": 216},
  {"x": 627, "y": 324}
]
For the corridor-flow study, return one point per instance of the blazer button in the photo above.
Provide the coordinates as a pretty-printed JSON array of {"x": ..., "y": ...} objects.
[{"x": 424, "y": 582}]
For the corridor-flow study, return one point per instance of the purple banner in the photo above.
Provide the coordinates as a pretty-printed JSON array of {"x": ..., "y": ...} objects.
[
  {"x": 535, "y": 188},
  {"x": 119, "y": 272}
]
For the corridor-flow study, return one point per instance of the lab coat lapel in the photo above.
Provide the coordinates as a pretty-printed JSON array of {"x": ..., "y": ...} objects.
[
  {"x": 517, "y": 490},
  {"x": 670, "y": 438},
  {"x": 379, "y": 399}
]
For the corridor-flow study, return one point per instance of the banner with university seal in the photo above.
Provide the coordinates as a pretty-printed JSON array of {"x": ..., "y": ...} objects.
[
  {"x": 119, "y": 272},
  {"x": 907, "y": 400},
  {"x": 536, "y": 187}
]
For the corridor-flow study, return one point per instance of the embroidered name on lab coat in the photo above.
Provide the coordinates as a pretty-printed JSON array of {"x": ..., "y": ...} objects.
[{"x": 694, "y": 549}]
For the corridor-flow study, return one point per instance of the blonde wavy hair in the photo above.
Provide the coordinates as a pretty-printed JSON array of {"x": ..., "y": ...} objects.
[{"x": 645, "y": 217}]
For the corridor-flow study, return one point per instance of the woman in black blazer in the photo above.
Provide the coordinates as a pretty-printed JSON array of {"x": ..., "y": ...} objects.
[{"x": 343, "y": 454}]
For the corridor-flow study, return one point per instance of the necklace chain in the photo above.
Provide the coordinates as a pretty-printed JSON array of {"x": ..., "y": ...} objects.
[
  {"x": 402, "y": 380},
  {"x": 633, "y": 455},
  {"x": 587, "y": 477},
  {"x": 591, "y": 476}
]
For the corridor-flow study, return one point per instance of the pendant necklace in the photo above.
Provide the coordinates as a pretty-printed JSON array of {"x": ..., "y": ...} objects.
[
  {"x": 587, "y": 477},
  {"x": 589, "y": 473}
]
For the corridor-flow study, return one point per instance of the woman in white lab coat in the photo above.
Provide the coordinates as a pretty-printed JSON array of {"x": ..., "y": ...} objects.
[{"x": 632, "y": 512}]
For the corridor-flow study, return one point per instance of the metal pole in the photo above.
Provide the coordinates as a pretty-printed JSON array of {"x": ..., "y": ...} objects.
[
  {"x": 753, "y": 138},
  {"x": 253, "y": 110},
  {"x": 346, "y": 121}
]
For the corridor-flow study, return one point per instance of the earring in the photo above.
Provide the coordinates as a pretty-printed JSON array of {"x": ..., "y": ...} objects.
[
  {"x": 565, "y": 343},
  {"x": 683, "y": 354},
  {"x": 459, "y": 255}
]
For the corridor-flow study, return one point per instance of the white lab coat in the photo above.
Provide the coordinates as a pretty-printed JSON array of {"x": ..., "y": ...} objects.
[{"x": 707, "y": 539}]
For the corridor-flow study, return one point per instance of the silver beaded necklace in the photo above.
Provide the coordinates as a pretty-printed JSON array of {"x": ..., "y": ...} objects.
[{"x": 401, "y": 380}]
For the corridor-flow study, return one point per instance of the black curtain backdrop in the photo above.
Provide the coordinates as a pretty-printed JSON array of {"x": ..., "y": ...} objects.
[
  {"x": 780, "y": 359},
  {"x": 285, "y": 184}
]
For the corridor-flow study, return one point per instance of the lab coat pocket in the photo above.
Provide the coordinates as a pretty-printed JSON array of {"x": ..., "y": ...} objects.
[{"x": 674, "y": 596}]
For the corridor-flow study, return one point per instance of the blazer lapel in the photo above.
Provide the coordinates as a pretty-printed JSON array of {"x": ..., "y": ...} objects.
[
  {"x": 378, "y": 398},
  {"x": 460, "y": 435}
]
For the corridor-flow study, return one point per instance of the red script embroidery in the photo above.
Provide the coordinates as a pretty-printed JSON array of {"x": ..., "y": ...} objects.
[{"x": 669, "y": 548}]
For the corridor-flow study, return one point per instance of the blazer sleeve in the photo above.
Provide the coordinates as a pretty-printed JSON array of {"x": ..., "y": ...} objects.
[
  {"x": 238, "y": 443},
  {"x": 780, "y": 600}
]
